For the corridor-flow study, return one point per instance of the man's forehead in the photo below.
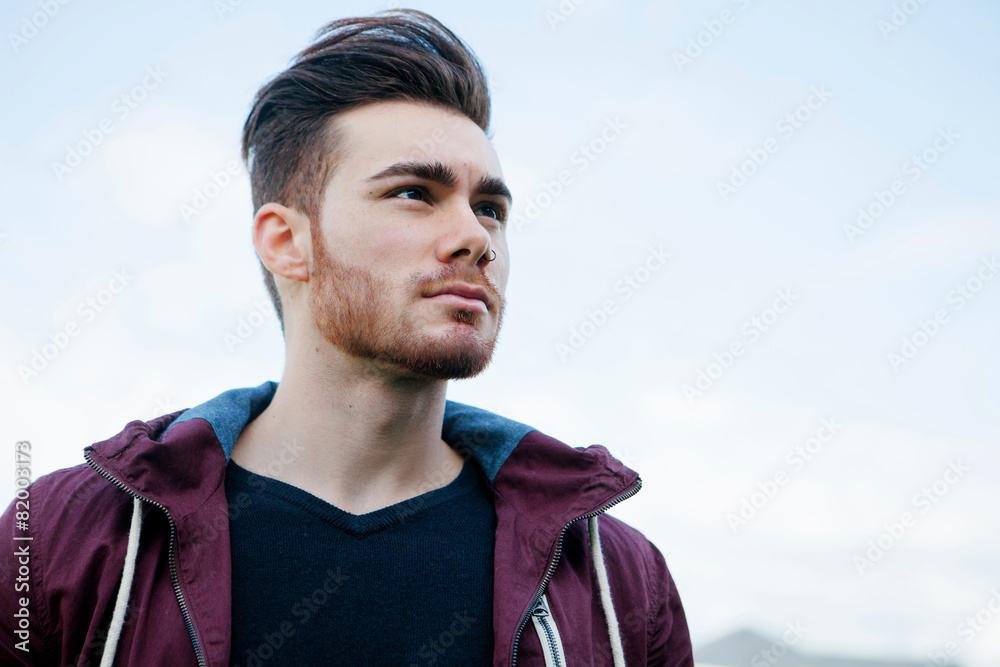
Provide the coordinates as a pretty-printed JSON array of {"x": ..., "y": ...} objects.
[{"x": 374, "y": 137}]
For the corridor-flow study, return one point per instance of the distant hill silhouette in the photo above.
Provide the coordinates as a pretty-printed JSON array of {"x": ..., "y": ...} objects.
[{"x": 740, "y": 648}]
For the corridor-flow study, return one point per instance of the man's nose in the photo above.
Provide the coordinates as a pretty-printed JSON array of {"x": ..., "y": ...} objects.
[{"x": 465, "y": 237}]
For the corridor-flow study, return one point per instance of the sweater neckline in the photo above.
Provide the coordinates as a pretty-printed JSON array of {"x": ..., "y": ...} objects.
[{"x": 359, "y": 525}]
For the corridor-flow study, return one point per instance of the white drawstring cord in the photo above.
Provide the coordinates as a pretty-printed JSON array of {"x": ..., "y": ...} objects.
[
  {"x": 118, "y": 618},
  {"x": 617, "y": 652}
]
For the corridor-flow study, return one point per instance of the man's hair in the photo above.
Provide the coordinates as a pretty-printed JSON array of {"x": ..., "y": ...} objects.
[{"x": 289, "y": 144}]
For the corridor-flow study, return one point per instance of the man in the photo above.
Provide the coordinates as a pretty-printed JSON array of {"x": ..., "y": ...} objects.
[{"x": 351, "y": 515}]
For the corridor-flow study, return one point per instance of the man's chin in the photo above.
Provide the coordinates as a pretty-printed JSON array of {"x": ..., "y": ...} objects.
[{"x": 451, "y": 361}]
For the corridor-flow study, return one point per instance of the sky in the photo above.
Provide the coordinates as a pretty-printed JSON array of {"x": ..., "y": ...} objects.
[{"x": 754, "y": 253}]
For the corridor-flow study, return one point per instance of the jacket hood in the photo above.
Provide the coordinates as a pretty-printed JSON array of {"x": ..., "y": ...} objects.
[{"x": 490, "y": 438}]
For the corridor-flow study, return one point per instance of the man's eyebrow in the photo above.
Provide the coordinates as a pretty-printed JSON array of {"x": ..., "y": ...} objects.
[
  {"x": 491, "y": 185},
  {"x": 437, "y": 172}
]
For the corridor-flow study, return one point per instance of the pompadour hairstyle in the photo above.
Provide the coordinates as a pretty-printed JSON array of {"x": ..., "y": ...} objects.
[{"x": 289, "y": 144}]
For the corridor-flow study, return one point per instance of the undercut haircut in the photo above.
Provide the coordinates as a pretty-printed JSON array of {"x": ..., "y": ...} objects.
[{"x": 290, "y": 145}]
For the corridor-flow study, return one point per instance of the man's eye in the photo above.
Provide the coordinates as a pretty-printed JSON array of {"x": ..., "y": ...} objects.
[
  {"x": 406, "y": 191},
  {"x": 497, "y": 212}
]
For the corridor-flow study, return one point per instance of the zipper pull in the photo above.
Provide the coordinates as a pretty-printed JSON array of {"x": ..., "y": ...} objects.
[{"x": 541, "y": 609}]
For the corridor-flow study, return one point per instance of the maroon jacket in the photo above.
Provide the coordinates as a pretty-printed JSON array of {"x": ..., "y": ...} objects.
[{"x": 179, "y": 602}]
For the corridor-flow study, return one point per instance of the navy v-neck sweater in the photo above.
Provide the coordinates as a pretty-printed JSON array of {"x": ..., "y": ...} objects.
[{"x": 407, "y": 585}]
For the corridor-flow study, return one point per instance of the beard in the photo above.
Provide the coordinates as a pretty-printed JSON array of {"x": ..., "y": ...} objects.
[{"x": 354, "y": 311}]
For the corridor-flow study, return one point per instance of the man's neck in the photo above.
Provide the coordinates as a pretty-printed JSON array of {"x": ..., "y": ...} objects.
[{"x": 359, "y": 437}]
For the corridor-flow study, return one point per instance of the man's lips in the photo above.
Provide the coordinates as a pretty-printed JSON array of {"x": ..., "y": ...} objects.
[{"x": 462, "y": 296}]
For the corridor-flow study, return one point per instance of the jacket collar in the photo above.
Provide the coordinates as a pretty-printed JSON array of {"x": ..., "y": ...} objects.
[{"x": 178, "y": 460}]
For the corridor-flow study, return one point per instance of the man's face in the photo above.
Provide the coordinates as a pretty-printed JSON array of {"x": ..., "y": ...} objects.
[{"x": 396, "y": 229}]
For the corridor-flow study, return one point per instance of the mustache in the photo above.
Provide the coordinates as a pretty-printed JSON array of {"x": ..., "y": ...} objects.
[{"x": 454, "y": 273}]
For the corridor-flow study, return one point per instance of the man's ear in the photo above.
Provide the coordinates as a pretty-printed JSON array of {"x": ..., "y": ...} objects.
[{"x": 282, "y": 239}]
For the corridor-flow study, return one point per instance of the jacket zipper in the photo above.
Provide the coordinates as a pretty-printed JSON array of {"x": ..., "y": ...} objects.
[
  {"x": 555, "y": 561},
  {"x": 173, "y": 564},
  {"x": 541, "y": 613}
]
